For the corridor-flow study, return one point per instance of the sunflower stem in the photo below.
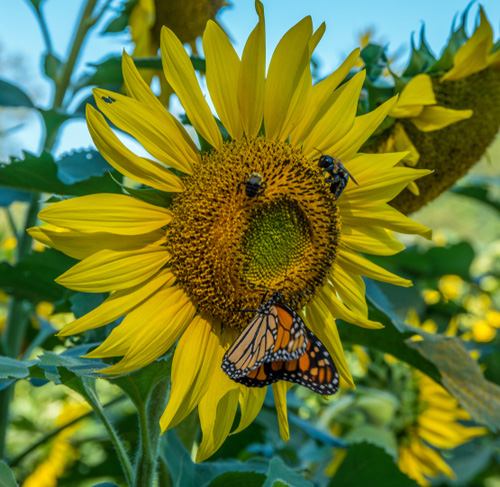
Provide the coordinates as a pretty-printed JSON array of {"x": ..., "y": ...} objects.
[
  {"x": 113, "y": 435},
  {"x": 87, "y": 21},
  {"x": 149, "y": 422}
]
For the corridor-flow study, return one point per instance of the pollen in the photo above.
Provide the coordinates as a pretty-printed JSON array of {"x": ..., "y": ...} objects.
[{"x": 229, "y": 249}]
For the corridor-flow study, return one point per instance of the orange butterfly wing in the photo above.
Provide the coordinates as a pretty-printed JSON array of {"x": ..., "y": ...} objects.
[
  {"x": 314, "y": 369},
  {"x": 275, "y": 333}
]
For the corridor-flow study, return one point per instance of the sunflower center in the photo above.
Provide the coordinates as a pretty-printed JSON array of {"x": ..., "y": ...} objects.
[{"x": 256, "y": 217}]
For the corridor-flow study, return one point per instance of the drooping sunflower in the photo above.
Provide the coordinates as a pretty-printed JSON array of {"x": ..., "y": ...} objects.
[
  {"x": 184, "y": 271},
  {"x": 436, "y": 426},
  {"x": 460, "y": 118}
]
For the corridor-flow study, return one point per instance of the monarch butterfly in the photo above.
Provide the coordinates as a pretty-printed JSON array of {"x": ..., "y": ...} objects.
[
  {"x": 276, "y": 345},
  {"x": 275, "y": 333}
]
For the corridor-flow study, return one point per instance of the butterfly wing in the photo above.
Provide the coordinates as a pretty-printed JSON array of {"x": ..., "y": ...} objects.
[
  {"x": 252, "y": 347},
  {"x": 314, "y": 369},
  {"x": 275, "y": 333}
]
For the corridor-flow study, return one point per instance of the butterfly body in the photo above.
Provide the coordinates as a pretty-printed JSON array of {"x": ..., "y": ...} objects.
[
  {"x": 276, "y": 345},
  {"x": 338, "y": 175}
]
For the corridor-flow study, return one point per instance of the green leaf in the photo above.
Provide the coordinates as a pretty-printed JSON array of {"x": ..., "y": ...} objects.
[
  {"x": 53, "y": 119},
  {"x": 32, "y": 278},
  {"x": 106, "y": 484},
  {"x": 433, "y": 263},
  {"x": 367, "y": 464},
  {"x": 52, "y": 66},
  {"x": 64, "y": 367},
  {"x": 391, "y": 339},
  {"x": 6, "y": 476},
  {"x": 185, "y": 473},
  {"x": 462, "y": 377},
  {"x": 11, "y": 368},
  {"x": 375, "y": 60},
  {"x": 120, "y": 22},
  {"x": 477, "y": 192},
  {"x": 39, "y": 174},
  {"x": 108, "y": 72},
  {"x": 280, "y": 474},
  {"x": 81, "y": 165},
  {"x": 241, "y": 479},
  {"x": 8, "y": 196},
  {"x": 138, "y": 385},
  {"x": 381, "y": 437},
  {"x": 457, "y": 39},
  {"x": 12, "y": 96}
]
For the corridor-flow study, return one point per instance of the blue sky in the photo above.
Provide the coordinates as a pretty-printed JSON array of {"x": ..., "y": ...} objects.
[{"x": 393, "y": 20}]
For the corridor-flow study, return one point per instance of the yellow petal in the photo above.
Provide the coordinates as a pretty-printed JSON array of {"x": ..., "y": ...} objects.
[
  {"x": 284, "y": 75},
  {"x": 372, "y": 240},
  {"x": 181, "y": 77},
  {"x": 354, "y": 263},
  {"x": 436, "y": 118},
  {"x": 125, "y": 161},
  {"x": 370, "y": 166},
  {"x": 119, "y": 304},
  {"x": 143, "y": 124},
  {"x": 340, "y": 310},
  {"x": 251, "y": 400},
  {"x": 157, "y": 334},
  {"x": 138, "y": 89},
  {"x": 338, "y": 119},
  {"x": 384, "y": 216},
  {"x": 323, "y": 95},
  {"x": 223, "y": 67},
  {"x": 121, "y": 338},
  {"x": 280, "y": 389},
  {"x": 472, "y": 57},
  {"x": 192, "y": 369},
  {"x": 113, "y": 213},
  {"x": 362, "y": 128},
  {"x": 108, "y": 270},
  {"x": 251, "y": 77},
  {"x": 417, "y": 93},
  {"x": 80, "y": 245},
  {"x": 321, "y": 322},
  {"x": 301, "y": 98},
  {"x": 218, "y": 406},
  {"x": 350, "y": 287},
  {"x": 380, "y": 188}
]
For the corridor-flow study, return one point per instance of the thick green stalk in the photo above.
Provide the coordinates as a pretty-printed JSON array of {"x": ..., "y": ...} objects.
[
  {"x": 149, "y": 423},
  {"x": 118, "y": 445}
]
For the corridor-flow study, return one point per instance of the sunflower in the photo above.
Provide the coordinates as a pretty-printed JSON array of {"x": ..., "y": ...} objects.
[
  {"x": 187, "y": 18},
  {"x": 436, "y": 426},
  {"x": 182, "y": 272},
  {"x": 466, "y": 77}
]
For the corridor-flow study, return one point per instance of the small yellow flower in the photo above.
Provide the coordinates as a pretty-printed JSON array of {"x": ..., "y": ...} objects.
[
  {"x": 182, "y": 273},
  {"x": 436, "y": 427},
  {"x": 451, "y": 286}
]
